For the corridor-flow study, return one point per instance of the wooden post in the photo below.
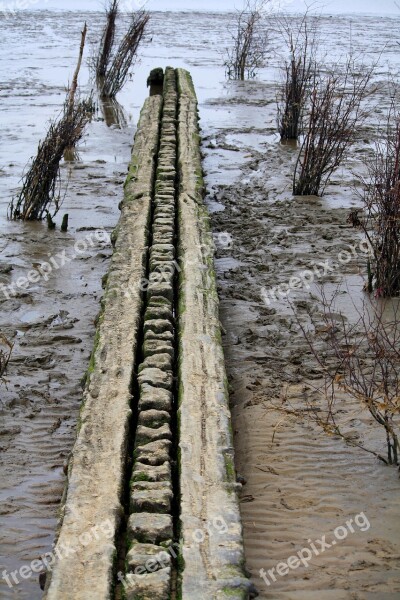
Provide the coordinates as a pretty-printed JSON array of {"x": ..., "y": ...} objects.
[{"x": 64, "y": 224}]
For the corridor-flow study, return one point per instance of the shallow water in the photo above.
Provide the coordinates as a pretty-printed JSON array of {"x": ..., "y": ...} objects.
[{"x": 53, "y": 321}]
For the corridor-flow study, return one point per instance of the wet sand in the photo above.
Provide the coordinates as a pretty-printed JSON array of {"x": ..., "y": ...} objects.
[
  {"x": 299, "y": 484},
  {"x": 52, "y": 325},
  {"x": 302, "y": 485}
]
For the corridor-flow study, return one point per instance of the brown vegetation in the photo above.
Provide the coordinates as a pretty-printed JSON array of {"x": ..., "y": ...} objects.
[
  {"x": 6, "y": 348},
  {"x": 107, "y": 40},
  {"x": 333, "y": 120},
  {"x": 359, "y": 362},
  {"x": 380, "y": 217},
  {"x": 247, "y": 53},
  {"x": 298, "y": 73},
  {"x": 112, "y": 69},
  {"x": 41, "y": 184}
]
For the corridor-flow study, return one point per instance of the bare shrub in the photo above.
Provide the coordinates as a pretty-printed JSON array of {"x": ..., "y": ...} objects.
[
  {"x": 298, "y": 73},
  {"x": 113, "y": 113},
  {"x": 41, "y": 188},
  {"x": 116, "y": 75},
  {"x": 247, "y": 53},
  {"x": 41, "y": 184},
  {"x": 379, "y": 218},
  {"x": 334, "y": 116},
  {"x": 74, "y": 84},
  {"x": 6, "y": 348},
  {"x": 359, "y": 362},
  {"x": 107, "y": 40}
]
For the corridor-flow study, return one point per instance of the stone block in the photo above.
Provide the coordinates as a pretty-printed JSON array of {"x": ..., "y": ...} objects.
[
  {"x": 152, "y": 398},
  {"x": 149, "y": 528}
]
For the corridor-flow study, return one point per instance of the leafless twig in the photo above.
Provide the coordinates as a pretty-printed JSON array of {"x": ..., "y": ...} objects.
[
  {"x": 361, "y": 361},
  {"x": 247, "y": 53},
  {"x": 116, "y": 75},
  {"x": 41, "y": 183},
  {"x": 107, "y": 39},
  {"x": 379, "y": 218},
  {"x": 298, "y": 73},
  {"x": 336, "y": 112}
]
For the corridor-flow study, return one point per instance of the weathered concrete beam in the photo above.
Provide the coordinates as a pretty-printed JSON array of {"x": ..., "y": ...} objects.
[
  {"x": 166, "y": 164},
  {"x": 151, "y": 524},
  {"x": 86, "y": 548},
  {"x": 214, "y": 568}
]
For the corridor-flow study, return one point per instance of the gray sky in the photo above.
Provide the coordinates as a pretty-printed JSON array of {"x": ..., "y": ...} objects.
[{"x": 334, "y": 6}]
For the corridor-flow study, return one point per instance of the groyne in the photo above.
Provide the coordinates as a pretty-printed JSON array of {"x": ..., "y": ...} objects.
[{"x": 150, "y": 508}]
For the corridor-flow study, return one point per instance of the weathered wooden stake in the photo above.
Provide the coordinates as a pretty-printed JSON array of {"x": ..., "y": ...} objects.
[{"x": 64, "y": 224}]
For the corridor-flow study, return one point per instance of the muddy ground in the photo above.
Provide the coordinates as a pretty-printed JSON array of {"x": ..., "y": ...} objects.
[
  {"x": 300, "y": 485},
  {"x": 52, "y": 326}
]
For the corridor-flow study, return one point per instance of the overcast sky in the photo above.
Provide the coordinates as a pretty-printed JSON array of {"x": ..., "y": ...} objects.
[{"x": 333, "y": 6}]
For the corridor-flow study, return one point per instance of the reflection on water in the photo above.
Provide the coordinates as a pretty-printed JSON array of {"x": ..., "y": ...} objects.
[
  {"x": 37, "y": 59},
  {"x": 113, "y": 113},
  {"x": 348, "y": 298}
]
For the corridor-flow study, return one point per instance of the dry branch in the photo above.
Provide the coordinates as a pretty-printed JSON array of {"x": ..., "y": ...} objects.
[
  {"x": 69, "y": 152},
  {"x": 74, "y": 84},
  {"x": 247, "y": 53},
  {"x": 380, "y": 217},
  {"x": 41, "y": 183},
  {"x": 298, "y": 73},
  {"x": 361, "y": 361},
  {"x": 116, "y": 75},
  {"x": 334, "y": 117},
  {"x": 107, "y": 40}
]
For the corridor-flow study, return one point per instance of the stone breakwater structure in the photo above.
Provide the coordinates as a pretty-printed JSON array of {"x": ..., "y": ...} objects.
[{"x": 153, "y": 458}]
